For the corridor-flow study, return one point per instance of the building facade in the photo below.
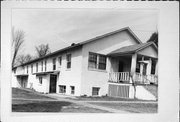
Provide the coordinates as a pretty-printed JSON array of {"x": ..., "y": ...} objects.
[{"x": 105, "y": 65}]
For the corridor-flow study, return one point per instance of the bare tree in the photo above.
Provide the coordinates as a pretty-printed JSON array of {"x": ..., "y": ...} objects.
[
  {"x": 21, "y": 59},
  {"x": 17, "y": 41},
  {"x": 42, "y": 50}
]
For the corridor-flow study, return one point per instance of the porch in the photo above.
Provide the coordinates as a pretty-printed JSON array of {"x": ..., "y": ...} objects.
[
  {"x": 134, "y": 64},
  {"x": 137, "y": 78}
]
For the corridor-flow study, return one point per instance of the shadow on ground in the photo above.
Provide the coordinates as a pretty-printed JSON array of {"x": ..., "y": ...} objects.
[{"x": 53, "y": 106}]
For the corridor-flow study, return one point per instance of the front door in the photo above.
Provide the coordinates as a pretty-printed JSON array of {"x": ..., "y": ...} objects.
[
  {"x": 121, "y": 66},
  {"x": 53, "y": 80}
]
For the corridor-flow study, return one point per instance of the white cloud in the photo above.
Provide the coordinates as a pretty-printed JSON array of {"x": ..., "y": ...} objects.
[{"x": 60, "y": 27}]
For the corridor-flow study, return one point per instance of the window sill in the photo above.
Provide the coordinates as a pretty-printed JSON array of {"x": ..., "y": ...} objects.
[
  {"x": 68, "y": 69},
  {"x": 98, "y": 70}
]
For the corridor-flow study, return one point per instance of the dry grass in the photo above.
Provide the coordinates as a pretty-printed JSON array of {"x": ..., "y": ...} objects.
[{"x": 132, "y": 107}]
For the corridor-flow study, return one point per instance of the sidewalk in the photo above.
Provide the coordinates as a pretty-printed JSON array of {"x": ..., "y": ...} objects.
[{"x": 85, "y": 103}]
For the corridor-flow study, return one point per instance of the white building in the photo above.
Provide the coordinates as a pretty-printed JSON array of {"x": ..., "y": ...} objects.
[{"x": 99, "y": 66}]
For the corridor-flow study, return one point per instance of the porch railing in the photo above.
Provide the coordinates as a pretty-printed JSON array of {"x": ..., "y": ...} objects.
[
  {"x": 119, "y": 77},
  {"x": 145, "y": 79}
]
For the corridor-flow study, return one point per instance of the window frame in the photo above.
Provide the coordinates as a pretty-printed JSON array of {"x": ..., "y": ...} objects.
[
  {"x": 98, "y": 89},
  {"x": 72, "y": 89},
  {"x": 40, "y": 80},
  {"x": 41, "y": 65},
  {"x": 63, "y": 89},
  {"x": 138, "y": 69},
  {"x": 54, "y": 63},
  {"x": 68, "y": 61},
  {"x": 153, "y": 67},
  {"x": 31, "y": 68},
  {"x": 97, "y": 62},
  {"x": 27, "y": 71},
  {"x": 37, "y": 67},
  {"x": 100, "y": 62},
  {"x": 60, "y": 60},
  {"x": 90, "y": 61},
  {"x": 45, "y": 65}
]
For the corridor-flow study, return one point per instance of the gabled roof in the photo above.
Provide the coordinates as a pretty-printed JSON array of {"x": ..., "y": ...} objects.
[
  {"x": 114, "y": 32},
  {"x": 85, "y": 42},
  {"x": 132, "y": 48}
]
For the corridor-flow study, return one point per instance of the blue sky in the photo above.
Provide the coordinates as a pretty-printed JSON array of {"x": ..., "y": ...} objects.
[{"x": 61, "y": 27}]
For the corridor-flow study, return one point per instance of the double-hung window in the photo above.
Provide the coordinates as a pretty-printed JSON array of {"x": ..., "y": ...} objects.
[
  {"x": 54, "y": 63},
  {"x": 62, "y": 89},
  {"x": 60, "y": 60},
  {"x": 72, "y": 89},
  {"x": 31, "y": 68},
  {"x": 40, "y": 80},
  {"x": 41, "y": 65},
  {"x": 68, "y": 59},
  {"x": 97, "y": 61},
  {"x": 36, "y": 67},
  {"x": 153, "y": 67},
  {"x": 27, "y": 69},
  {"x": 92, "y": 60},
  {"x": 45, "y": 63},
  {"x": 95, "y": 91},
  {"x": 102, "y": 62}
]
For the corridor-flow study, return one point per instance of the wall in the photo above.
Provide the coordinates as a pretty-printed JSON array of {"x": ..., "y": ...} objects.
[
  {"x": 72, "y": 76},
  {"x": 44, "y": 87},
  {"x": 149, "y": 51},
  {"x": 68, "y": 77},
  {"x": 99, "y": 78}
]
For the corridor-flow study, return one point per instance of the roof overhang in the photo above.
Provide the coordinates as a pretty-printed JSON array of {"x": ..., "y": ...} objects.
[
  {"x": 22, "y": 75},
  {"x": 129, "y": 49},
  {"x": 46, "y": 73}
]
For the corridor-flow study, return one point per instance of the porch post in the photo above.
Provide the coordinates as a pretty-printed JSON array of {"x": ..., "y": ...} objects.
[
  {"x": 156, "y": 68},
  {"x": 133, "y": 63},
  {"x": 108, "y": 64},
  {"x": 149, "y": 67}
]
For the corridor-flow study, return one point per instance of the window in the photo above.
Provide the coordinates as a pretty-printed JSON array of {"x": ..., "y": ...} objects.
[
  {"x": 97, "y": 61},
  {"x": 95, "y": 91},
  {"x": 36, "y": 67},
  {"x": 54, "y": 63},
  {"x": 60, "y": 60},
  {"x": 31, "y": 68},
  {"x": 72, "y": 89},
  {"x": 153, "y": 67},
  {"x": 92, "y": 60},
  {"x": 45, "y": 63},
  {"x": 27, "y": 69},
  {"x": 62, "y": 89},
  {"x": 14, "y": 71},
  {"x": 41, "y": 65},
  {"x": 138, "y": 67},
  {"x": 102, "y": 62},
  {"x": 68, "y": 59},
  {"x": 40, "y": 80}
]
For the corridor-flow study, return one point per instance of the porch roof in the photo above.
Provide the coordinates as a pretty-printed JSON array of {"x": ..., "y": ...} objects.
[
  {"x": 45, "y": 73},
  {"x": 132, "y": 49},
  {"x": 22, "y": 75}
]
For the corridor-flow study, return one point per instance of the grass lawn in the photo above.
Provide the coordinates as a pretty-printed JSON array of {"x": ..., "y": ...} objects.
[
  {"x": 131, "y": 107},
  {"x": 27, "y": 94},
  {"x": 23, "y": 102},
  {"x": 52, "y": 106},
  {"x": 106, "y": 98}
]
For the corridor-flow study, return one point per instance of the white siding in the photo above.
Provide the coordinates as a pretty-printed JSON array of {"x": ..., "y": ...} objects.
[
  {"x": 105, "y": 45},
  {"x": 72, "y": 76},
  {"x": 149, "y": 51}
]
